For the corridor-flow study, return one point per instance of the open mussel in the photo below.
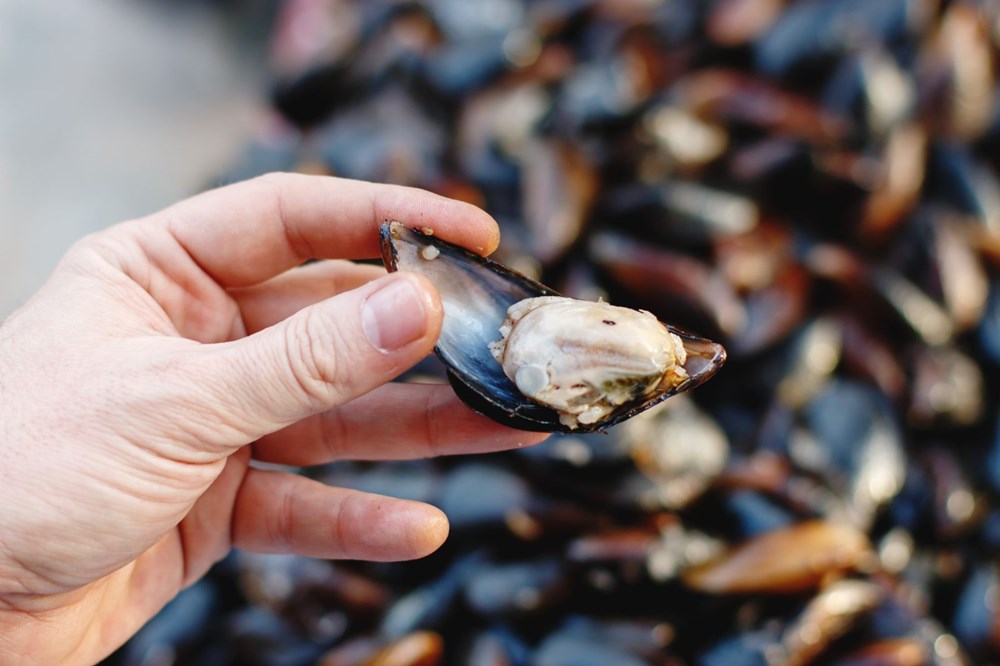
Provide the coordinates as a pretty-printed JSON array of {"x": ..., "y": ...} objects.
[{"x": 586, "y": 366}]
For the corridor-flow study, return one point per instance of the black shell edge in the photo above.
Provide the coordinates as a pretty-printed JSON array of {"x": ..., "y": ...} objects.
[
  {"x": 535, "y": 418},
  {"x": 484, "y": 406},
  {"x": 390, "y": 258}
]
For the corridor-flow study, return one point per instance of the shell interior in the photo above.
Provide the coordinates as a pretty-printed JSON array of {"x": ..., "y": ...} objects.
[{"x": 475, "y": 293}]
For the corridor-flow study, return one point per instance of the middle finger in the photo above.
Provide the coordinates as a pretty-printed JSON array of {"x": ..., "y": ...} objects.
[
  {"x": 393, "y": 422},
  {"x": 269, "y": 302}
]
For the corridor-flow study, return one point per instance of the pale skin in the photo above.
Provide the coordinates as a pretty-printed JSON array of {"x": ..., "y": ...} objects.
[{"x": 167, "y": 353}]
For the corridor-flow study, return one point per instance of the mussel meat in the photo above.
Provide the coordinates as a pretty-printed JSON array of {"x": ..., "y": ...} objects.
[{"x": 521, "y": 354}]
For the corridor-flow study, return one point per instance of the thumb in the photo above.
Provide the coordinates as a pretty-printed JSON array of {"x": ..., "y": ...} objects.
[{"x": 324, "y": 355}]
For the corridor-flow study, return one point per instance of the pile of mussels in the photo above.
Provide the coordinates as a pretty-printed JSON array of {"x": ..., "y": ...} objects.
[{"x": 812, "y": 183}]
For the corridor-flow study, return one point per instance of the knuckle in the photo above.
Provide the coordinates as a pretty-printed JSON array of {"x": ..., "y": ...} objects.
[
  {"x": 431, "y": 426},
  {"x": 274, "y": 177},
  {"x": 281, "y": 527},
  {"x": 309, "y": 363},
  {"x": 313, "y": 348},
  {"x": 273, "y": 184},
  {"x": 334, "y": 433},
  {"x": 101, "y": 246},
  {"x": 347, "y": 515},
  {"x": 274, "y": 187}
]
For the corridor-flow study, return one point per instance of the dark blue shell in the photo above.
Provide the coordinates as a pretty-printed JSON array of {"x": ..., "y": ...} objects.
[{"x": 476, "y": 293}]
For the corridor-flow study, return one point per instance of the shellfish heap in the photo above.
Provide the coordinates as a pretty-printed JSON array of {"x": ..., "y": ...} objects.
[{"x": 812, "y": 183}]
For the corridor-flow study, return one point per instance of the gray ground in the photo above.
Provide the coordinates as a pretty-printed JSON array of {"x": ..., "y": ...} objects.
[{"x": 109, "y": 109}]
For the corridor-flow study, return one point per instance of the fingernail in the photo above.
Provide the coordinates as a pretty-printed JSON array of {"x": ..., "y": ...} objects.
[{"x": 394, "y": 315}]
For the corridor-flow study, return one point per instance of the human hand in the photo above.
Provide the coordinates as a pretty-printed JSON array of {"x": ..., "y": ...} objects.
[{"x": 165, "y": 353}]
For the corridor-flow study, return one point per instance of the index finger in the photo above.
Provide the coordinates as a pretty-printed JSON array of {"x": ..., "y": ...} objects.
[{"x": 245, "y": 233}]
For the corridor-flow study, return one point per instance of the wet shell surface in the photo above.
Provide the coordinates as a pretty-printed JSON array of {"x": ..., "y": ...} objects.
[{"x": 526, "y": 357}]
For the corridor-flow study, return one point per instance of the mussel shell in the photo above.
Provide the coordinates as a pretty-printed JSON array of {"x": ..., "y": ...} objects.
[{"x": 476, "y": 293}]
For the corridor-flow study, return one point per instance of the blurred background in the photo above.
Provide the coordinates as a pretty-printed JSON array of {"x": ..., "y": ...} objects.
[
  {"x": 113, "y": 109},
  {"x": 814, "y": 183}
]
